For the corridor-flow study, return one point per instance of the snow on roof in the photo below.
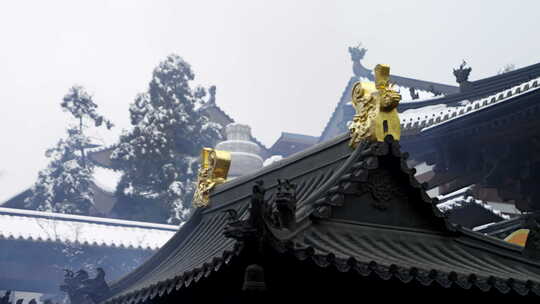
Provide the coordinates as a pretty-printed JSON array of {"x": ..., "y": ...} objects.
[
  {"x": 477, "y": 228},
  {"x": 423, "y": 113},
  {"x": 272, "y": 159},
  {"x": 406, "y": 94},
  {"x": 84, "y": 230},
  {"x": 505, "y": 207},
  {"x": 461, "y": 198},
  {"x": 428, "y": 117},
  {"x": 106, "y": 179}
]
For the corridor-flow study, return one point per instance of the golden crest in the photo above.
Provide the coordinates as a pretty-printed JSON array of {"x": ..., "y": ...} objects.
[
  {"x": 376, "y": 109},
  {"x": 213, "y": 170}
]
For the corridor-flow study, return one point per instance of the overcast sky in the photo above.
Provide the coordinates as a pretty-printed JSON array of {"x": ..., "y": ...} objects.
[{"x": 278, "y": 65}]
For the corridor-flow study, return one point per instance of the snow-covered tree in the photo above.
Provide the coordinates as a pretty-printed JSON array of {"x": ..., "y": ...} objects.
[
  {"x": 159, "y": 155},
  {"x": 81, "y": 105},
  {"x": 64, "y": 186}
]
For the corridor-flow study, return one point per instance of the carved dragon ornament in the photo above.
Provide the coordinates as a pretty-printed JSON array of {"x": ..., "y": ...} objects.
[
  {"x": 213, "y": 170},
  {"x": 376, "y": 109}
]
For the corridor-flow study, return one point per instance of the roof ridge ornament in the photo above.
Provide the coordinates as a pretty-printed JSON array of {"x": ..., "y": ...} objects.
[
  {"x": 357, "y": 54},
  {"x": 213, "y": 170},
  {"x": 376, "y": 109},
  {"x": 462, "y": 76},
  {"x": 82, "y": 289}
]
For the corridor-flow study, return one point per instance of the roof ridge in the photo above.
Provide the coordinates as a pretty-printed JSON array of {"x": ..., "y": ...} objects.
[
  {"x": 482, "y": 88},
  {"x": 510, "y": 73},
  {"x": 462, "y": 201},
  {"x": 485, "y": 102},
  {"x": 23, "y": 225},
  {"x": 84, "y": 219},
  {"x": 451, "y": 113}
]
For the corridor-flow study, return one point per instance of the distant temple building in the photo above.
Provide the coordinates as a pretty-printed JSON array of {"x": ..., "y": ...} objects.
[
  {"x": 103, "y": 185},
  {"x": 28, "y": 238}
]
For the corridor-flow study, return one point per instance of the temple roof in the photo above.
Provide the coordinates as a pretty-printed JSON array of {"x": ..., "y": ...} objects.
[
  {"x": 503, "y": 228},
  {"x": 463, "y": 209},
  {"x": 432, "y": 116},
  {"x": 392, "y": 228},
  {"x": 29, "y": 225},
  {"x": 103, "y": 186},
  {"x": 431, "y": 119},
  {"x": 102, "y": 156},
  {"x": 453, "y": 103},
  {"x": 481, "y": 88},
  {"x": 290, "y": 143}
]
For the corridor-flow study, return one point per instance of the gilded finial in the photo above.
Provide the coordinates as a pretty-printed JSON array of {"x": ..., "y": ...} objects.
[
  {"x": 376, "y": 109},
  {"x": 213, "y": 170}
]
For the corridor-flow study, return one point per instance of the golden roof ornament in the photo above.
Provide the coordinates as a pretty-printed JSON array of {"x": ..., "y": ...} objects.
[
  {"x": 213, "y": 170},
  {"x": 376, "y": 109}
]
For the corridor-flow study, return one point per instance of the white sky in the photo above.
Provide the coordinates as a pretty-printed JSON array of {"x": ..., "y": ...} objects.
[{"x": 278, "y": 65}]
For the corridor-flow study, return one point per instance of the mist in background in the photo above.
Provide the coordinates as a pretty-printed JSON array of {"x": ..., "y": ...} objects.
[{"x": 278, "y": 65}]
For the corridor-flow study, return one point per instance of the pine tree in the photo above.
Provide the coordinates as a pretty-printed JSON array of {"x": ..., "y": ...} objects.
[
  {"x": 82, "y": 107},
  {"x": 64, "y": 186},
  {"x": 159, "y": 154}
]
